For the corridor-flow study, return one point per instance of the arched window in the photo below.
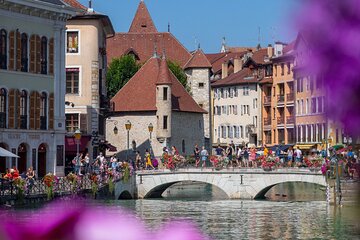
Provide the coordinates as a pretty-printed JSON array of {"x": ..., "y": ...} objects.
[
  {"x": 3, "y": 48},
  {"x": 24, "y": 52},
  {"x": 43, "y": 111},
  {"x": 23, "y": 109},
  {"x": 43, "y": 55},
  {"x": 3, "y": 110}
]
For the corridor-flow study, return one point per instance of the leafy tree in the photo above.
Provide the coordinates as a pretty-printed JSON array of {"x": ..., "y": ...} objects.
[
  {"x": 120, "y": 71},
  {"x": 179, "y": 73}
]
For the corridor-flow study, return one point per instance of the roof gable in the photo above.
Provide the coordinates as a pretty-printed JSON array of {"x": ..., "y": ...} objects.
[
  {"x": 198, "y": 60},
  {"x": 142, "y": 22},
  {"x": 244, "y": 76},
  {"x": 143, "y": 44}
]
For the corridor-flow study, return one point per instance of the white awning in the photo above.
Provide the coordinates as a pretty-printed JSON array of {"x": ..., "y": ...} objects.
[{"x": 6, "y": 153}]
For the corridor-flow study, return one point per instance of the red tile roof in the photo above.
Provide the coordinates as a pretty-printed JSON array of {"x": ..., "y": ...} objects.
[
  {"x": 259, "y": 56},
  {"x": 144, "y": 45},
  {"x": 198, "y": 60},
  {"x": 75, "y": 4},
  {"x": 142, "y": 22},
  {"x": 139, "y": 94},
  {"x": 244, "y": 76},
  {"x": 217, "y": 59}
]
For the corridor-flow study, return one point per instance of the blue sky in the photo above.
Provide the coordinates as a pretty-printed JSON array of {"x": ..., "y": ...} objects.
[{"x": 208, "y": 21}]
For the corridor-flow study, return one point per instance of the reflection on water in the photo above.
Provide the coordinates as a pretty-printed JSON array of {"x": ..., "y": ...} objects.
[{"x": 227, "y": 219}]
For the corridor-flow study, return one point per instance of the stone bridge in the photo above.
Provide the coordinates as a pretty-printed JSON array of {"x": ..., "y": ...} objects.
[{"x": 235, "y": 183}]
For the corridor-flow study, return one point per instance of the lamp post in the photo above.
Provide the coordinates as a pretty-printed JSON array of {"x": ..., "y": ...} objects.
[
  {"x": 150, "y": 128},
  {"x": 127, "y": 127},
  {"x": 77, "y": 136}
]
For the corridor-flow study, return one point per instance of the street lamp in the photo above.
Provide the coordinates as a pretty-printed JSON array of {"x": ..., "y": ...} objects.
[
  {"x": 77, "y": 136},
  {"x": 127, "y": 127},
  {"x": 151, "y": 128}
]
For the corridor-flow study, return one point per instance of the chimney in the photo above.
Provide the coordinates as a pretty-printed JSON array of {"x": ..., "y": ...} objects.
[
  {"x": 90, "y": 9},
  {"x": 270, "y": 51},
  {"x": 224, "y": 69},
  {"x": 237, "y": 64}
]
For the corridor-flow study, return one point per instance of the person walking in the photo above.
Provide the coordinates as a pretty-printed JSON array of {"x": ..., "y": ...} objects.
[
  {"x": 204, "y": 155},
  {"x": 246, "y": 157},
  {"x": 87, "y": 163},
  {"x": 148, "y": 160},
  {"x": 252, "y": 157},
  {"x": 219, "y": 151},
  {"x": 229, "y": 153},
  {"x": 197, "y": 155},
  {"x": 76, "y": 161},
  {"x": 290, "y": 155},
  {"x": 298, "y": 155},
  {"x": 239, "y": 157}
]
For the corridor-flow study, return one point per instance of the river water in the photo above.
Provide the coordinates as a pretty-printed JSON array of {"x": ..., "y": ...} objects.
[{"x": 284, "y": 215}]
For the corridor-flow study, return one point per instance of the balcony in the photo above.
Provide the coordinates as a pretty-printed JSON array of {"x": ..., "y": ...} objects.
[
  {"x": 290, "y": 97},
  {"x": 280, "y": 120},
  {"x": 267, "y": 100},
  {"x": 280, "y": 98},
  {"x": 290, "y": 120},
  {"x": 267, "y": 121}
]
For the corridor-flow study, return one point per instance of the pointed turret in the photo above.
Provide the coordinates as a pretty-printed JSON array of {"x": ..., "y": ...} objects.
[
  {"x": 142, "y": 22},
  {"x": 163, "y": 102},
  {"x": 164, "y": 73}
]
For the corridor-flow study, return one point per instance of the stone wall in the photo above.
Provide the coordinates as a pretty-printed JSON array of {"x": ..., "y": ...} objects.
[
  {"x": 188, "y": 127},
  {"x": 200, "y": 94}
]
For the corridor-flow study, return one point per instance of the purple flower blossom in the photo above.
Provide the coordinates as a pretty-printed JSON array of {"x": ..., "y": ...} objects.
[{"x": 332, "y": 30}]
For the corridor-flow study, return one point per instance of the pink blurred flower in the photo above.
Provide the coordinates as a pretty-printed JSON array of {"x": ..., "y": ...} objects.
[{"x": 72, "y": 220}]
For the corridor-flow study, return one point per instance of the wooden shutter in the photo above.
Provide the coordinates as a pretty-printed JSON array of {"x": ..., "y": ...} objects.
[
  {"x": 32, "y": 53},
  {"x": 83, "y": 123},
  {"x": 12, "y": 108},
  {"x": 51, "y": 111},
  {"x": 18, "y": 51},
  {"x": 33, "y": 108},
  {"x": 11, "y": 50},
  {"x": 51, "y": 56},
  {"x": 38, "y": 54},
  {"x": 17, "y": 109},
  {"x": 37, "y": 110}
]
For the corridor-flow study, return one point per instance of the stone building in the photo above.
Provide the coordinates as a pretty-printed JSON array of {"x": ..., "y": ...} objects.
[
  {"x": 153, "y": 96},
  {"x": 86, "y": 65},
  {"x": 32, "y": 84},
  {"x": 141, "y": 40}
]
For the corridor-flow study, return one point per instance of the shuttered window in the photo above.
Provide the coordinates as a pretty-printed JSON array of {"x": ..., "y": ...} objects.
[
  {"x": 3, "y": 110},
  {"x": 32, "y": 67},
  {"x": 51, "y": 110},
  {"x": 12, "y": 50},
  {"x": 24, "y": 52},
  {"x": 51, "y": 56},
  {"x": 43, "y": 55},
  {"x": 23, "y": 109},
  {"x": 72, "y": 80},
  {"x": 43, "y": 111},
  {"x": 3, "y": 49}
]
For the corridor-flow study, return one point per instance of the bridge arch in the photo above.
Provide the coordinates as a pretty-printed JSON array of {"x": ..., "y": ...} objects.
[
  {"x": 261, "y": 194},
  {"x": 125, "y": 195},
  {"x": 157, "y": 191}
]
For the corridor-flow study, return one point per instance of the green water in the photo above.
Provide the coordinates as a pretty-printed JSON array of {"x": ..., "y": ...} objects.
[{"x": 288, "y": 216}]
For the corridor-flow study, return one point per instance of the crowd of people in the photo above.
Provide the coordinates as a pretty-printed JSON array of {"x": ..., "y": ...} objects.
[{"x": 13, "y": 174}]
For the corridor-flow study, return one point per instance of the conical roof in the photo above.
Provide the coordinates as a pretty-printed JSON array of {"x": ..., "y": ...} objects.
[
  {"x": 164, "y": 73},
  {"x": 198, "y": 60},
  {"x": 142, "y": 22}
]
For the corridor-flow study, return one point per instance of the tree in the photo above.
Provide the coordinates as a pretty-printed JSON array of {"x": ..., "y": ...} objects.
[
  {"x": 120, "y": 71},
  {"x": 179, "y": 73}
]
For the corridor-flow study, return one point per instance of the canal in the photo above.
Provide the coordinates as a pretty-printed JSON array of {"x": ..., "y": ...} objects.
[{"x": 289, "y": 212}]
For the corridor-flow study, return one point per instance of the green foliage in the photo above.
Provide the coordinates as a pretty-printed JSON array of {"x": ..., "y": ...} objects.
[
  {"x": 179, "y": 73},
  {"x": 120, "y": 71}
]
